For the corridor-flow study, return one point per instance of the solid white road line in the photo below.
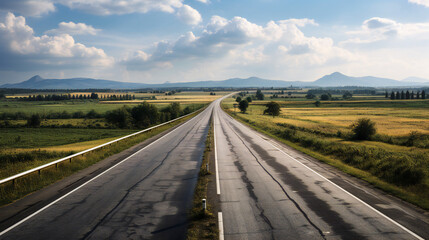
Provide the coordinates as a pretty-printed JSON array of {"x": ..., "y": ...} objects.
[
  {"x": 215, "y": 150},
  {"x": 220, "y": 220},
  {"x": 99, "y": 175},
  {"x": 358, "y": 199}
]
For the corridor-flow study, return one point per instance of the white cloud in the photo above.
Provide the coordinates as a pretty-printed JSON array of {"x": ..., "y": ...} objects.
[
  {"x": 420, "y": 2},
  {"x": 378, "y": 29},
  {"x": 21, "y": 49},
  {"x": 72, "y": 28},
  {"x": 204, "y": 1},
  {"x": 240, "y": 43},
  {"x": 28, "y": 7},
  {"x": 185, "y": 12},
  {"x": 189, "y": 15}
]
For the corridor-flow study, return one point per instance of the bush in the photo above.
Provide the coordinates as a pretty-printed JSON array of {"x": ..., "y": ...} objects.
[
  {"x": 249, "y": 99},
  {"x": 34, "y": 120},
  {"x": 238, "y": 99},
  {"x": 363, "y": 129}
]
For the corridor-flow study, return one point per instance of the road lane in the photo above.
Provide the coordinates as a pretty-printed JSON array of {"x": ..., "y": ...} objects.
[
  {"x": 145, "y": 196},
  {"x": 269, "y": 194}
]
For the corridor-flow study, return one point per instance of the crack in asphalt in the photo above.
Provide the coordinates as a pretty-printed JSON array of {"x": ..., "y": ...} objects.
[
  {"x": 87, "y": 235},
  {"x": 283, "y": 189},
  {"x": 317, "y": 205},
  {"x": 250, "y": 188}
]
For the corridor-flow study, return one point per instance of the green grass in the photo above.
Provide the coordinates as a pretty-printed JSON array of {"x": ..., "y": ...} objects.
[
  {"x": 203, "y": 224},
  {"x": 44, "y": 137},
  {"x": 10, "y": 192}
]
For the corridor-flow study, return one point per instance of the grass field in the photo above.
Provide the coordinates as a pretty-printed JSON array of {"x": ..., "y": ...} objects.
[
  {"x": 324, "y": 132},
  {"x": 23, "y": 147}
]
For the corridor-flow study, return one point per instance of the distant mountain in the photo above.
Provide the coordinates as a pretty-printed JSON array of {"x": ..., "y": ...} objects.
[
  {"x": 38, "y": 82},
  {"x": 335, "y": 79},
  {"x": 416, "y": 80}
]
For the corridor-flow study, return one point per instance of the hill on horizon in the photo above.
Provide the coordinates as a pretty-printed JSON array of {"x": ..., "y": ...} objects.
[{"x": 335, "y": 79}]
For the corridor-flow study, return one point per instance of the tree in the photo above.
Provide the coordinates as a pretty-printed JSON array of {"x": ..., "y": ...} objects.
[
  {"x": 402, "y": 95},
  {"x": 238, "y": 99},
  {"x": 423, "y": 94},
  {"x": 272, "y": 109},
  {"x": 34, "y": 120},
  {"x": 392, "y": 96},
  {"x": 363, "y": 129},
  {"x": 249, "y": 99},
  {"x": 407, "y": 95},
  {"x": 243, "y": 105},
  {"x": 259, "y": 95},
  {"x": 325, "y": 96},
  {"x": 146, "y": 114},
  {"x": 317, "y": 103},
  {"x": 398, "y": 95},
  {"x": 120, "y": 117},
  {"x": 386, "y": 95},
  {"x": 310, "y": 96},
  {"x": 348, "y": 95}
]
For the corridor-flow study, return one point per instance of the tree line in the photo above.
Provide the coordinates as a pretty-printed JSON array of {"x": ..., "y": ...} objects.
[
  {"x": 144, "y": 115},
  {"x": 406, "y": 95},
  {"x": 62, "y": 97}
]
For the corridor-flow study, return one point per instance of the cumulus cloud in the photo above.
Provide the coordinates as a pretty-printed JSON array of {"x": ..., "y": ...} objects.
[
  {"x": 243, "y": 41},
  {"x": 28, "y": 7},
  {"x": 72, "y": 28},
  {"x": 189, "y": 15},
  {"x": 378, "y": 29},
  {"x": 420, "y": 2},
  {"x": 185, "y": 12},
  {"x": 20, "y": 48}
]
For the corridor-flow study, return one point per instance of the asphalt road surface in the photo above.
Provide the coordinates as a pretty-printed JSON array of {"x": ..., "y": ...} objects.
[
  {"x": 268, "y": 191},
  {"x": 147, "y": 196}
]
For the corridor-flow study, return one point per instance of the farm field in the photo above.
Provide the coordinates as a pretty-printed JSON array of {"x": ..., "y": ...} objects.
[
  {"x": 395, "y": 159},
  {"x": 70, "y": 126}
]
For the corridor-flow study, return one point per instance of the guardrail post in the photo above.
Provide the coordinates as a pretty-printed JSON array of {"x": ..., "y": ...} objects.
[
  {"x": 56, "y": 165},
  {"x": 39, "y": 172}
]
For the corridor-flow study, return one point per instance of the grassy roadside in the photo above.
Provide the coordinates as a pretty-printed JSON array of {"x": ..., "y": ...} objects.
[
  {"x": 203, "y": 225},
  {"x": 10, "y": 192},
  {"x": 409, "y": 194}
]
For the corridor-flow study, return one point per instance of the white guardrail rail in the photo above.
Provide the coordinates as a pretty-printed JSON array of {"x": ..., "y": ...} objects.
[{"x": 37, "y": 169}]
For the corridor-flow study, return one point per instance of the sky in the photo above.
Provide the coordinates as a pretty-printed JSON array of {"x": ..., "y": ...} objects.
[{"x": 155, "y": 41}]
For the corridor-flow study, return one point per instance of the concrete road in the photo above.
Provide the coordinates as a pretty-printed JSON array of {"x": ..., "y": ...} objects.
[
  {"x": 268, "y": 191},
  {"x": 146, "y": 196}
]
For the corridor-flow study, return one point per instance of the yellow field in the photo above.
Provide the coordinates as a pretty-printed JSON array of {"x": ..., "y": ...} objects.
[{"x": 389, "y": 121}]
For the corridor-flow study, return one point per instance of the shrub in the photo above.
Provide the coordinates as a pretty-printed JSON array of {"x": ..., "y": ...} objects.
[
  {"x": 249, "y": 99},
  {"x": 34, "y": 120},
  {"x": 363, "y": 129},
  {"x": 238, "y": 99}
]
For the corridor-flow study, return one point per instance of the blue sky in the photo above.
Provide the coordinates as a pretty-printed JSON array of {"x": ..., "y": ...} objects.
[{"x": 154, "y": 41}]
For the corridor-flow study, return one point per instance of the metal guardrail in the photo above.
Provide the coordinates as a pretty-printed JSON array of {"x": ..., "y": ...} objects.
[{"x": 38, "y": 169}]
